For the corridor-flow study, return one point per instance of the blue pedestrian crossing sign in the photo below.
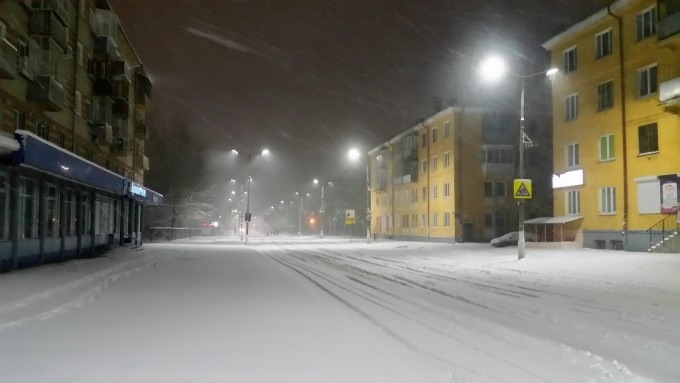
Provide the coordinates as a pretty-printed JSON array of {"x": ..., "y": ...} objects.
[{"x": 522, "y": 189}]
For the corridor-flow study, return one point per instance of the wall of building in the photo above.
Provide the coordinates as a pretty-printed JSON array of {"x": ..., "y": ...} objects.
[{"x": 623, "y": 120}]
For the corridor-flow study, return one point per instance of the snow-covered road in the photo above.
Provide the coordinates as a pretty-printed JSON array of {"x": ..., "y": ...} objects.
[{"x": 310, "y": 310}]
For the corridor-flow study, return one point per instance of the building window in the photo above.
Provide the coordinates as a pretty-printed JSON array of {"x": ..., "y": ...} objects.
[
  {"x": 488, "y": 221},
  {"x": 647, "y": 81},
  {"x": 52, "y": 212},
  {"x": 42, "y": 130},
  {"x": 435, "y": 162},
  {"x": 70, "y": 213},
  {"x": 603, "y": 44},
  {"x": 424, "y": 220},
  {"x": 571, "y": 107},
  {"x": 573, "y": 198},
  {"x": 434, "y": 135},
  {"x": 61, "y": 139},
  {"x": 498, "y": 154},
  {"x": 434, "y": 192},
  {"x": 3, "y": 31},
  {"x": 424, "y": 140},
  {"x": 607, "y": 200},
  {"x": 572, "y": 155},
  {"x": 435, "y": 219},
  {"x": 447, "y": 159},
  {"x": 447, "y": 220},
  {"x": 77, "y": 103},
  {"x": 414, "y": 195},
  {"x": 424, "y": 195},
  {"x": 447, "y": 190},
  {"x": 414, "y": 219},
  {"x": 569, "y": 58},
  {"x": 19, "y": 120},
  {"x": 424, "y": 167},
  {"x": 605, "y": 95},
  {"x": 645, "y": 24},
  {"x": 4, "y": 207},
  {"x": 447, "y": 129},
  {"x": 606, "y": 144},
  {"x": 488, "y": 189},
  {"x": 648, "y": 138},
  {"x": 28, "y": 209},
  {"x": 79, "y": 54},
  {"x": 501, "y": 189}
]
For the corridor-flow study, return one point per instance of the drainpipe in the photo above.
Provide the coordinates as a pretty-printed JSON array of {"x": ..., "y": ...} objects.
[
  {"x": 74, "y": 77},
  {"x": 427, "y": 141},
  {"x": 622, "y": 78},
  {"x": 458, "y": 175}
]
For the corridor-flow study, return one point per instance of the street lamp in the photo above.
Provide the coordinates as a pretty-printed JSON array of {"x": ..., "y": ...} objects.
[
  {"x": 264, "y": 153},
  {"x": 322, "y": 210},
  {"x": 354, "y": 156},
  {"x": 493, "y": 69}
]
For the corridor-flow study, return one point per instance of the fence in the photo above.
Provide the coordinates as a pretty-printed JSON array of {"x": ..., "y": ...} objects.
[{"x": 158, "y": 234}]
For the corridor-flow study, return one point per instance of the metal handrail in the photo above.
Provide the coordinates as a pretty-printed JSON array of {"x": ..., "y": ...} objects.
[{"x": 660, "y": 230}]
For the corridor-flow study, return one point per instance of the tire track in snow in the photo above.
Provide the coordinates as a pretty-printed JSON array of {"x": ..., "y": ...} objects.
[{"x": 38, "y": 306}]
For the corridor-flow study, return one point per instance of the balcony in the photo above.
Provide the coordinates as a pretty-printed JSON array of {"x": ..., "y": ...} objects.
[
  {"x": 102, "y": 111},
  {"x": 101, "y": 74},
  {"x": 101, "y": 134},
  {"x": 120, "y": 147},
  {"x": 47, "y": 92},
  {"x": 58, "y": 7},
  {"x": 668, "y": 26},
  {"x": 45, "y": 23},
  {"x": 669, "y": 95},
  {"x": 105, "y": 48},
  {"x": 141, "y": 130},
  {"x": 120, "y": 107},
  {"x": 142, "y": 89},
  {"x": 8, "y": 60}
]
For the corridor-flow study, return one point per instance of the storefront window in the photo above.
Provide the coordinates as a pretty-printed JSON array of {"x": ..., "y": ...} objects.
[{"x": 28, "y": 222}]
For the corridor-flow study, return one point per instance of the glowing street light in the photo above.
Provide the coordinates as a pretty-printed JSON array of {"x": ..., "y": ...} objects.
[
  {"x": 493, "y": 69},
  {"x": 354, "y": 155}
]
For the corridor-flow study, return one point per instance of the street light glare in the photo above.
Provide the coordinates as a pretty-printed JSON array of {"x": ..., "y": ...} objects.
[
  {"x": 354, "y": 154},
  {"x": 492, "y": 69},
  {"x": 234, "y": 152},
  {"x": 551, "y": 72},
  {"x": 316, "y": 181},
  {"x": 265, "y": 152}
]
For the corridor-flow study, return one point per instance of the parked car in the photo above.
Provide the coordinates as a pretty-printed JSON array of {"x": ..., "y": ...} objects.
[{"x": 511, "y": 239}]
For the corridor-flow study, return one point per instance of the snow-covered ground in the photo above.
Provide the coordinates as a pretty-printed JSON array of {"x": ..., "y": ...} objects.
[{"x": 309, "y": 310}]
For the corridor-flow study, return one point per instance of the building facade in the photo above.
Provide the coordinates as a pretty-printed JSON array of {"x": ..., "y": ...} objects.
[
  {"x": 448, "y": 178},
  {"x": 616, "y": 126},
  {"x": 73, "y": 98}
]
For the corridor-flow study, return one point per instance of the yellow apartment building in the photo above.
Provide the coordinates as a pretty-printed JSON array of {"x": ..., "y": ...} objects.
[
  {"x": 616, "y": 127},
  {"x": 448, "y": 178}
]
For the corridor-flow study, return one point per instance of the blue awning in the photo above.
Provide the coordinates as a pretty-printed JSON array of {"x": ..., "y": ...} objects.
[{"x": 43, "y": 155}]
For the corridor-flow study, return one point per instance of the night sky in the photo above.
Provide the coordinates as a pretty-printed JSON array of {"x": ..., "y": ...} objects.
[{"x": 310, "y": 78}]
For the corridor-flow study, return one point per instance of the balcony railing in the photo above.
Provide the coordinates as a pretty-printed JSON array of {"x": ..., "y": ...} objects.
[
  {"x": 46, "y": 24},
  {"x": 47, "y": 92},
  {"x": 8, "y": 60},
  {"x": 668, "y": 26},
  {"x": 58, "y": 7}
]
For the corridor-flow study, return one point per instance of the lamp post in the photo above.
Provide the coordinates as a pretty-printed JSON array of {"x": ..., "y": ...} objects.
[
  {"x": 322, "y": 209},
  {"x": 354, "y": 155},
  {"x": 493, "y": 68},
  {"x": 248, "y": 214}
]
